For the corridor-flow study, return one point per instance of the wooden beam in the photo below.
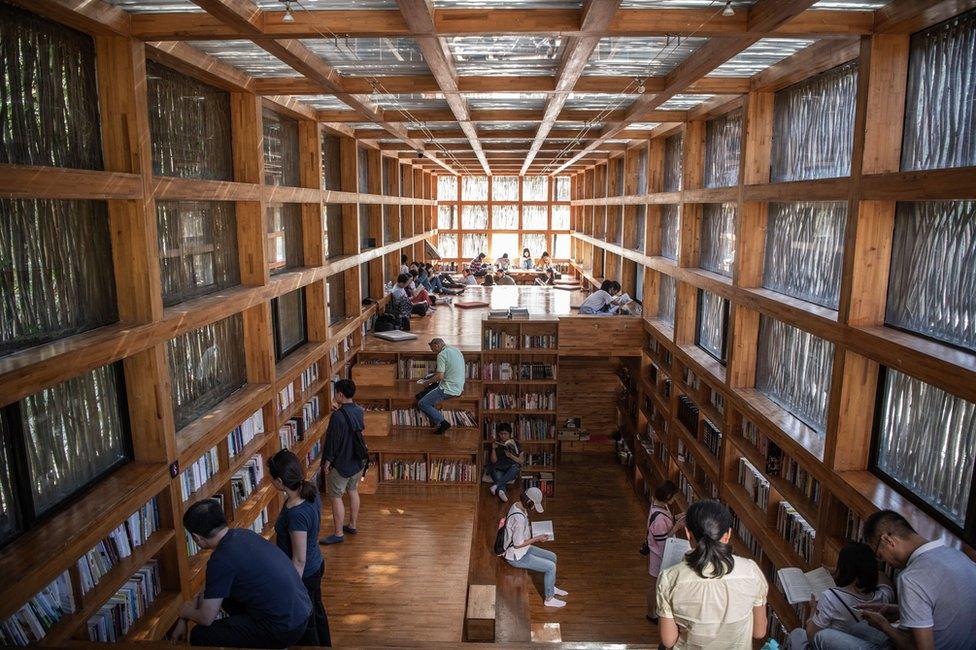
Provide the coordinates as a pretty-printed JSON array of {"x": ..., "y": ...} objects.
[
  {"x": 199, "y": 65},
  {"x": 95, "y": 17},
  {"x": 27, "y": 181},
  {"x": 910, "y": 16},
  {"x": 500, "y": 115},
  {"x": 809, "y": 61}
]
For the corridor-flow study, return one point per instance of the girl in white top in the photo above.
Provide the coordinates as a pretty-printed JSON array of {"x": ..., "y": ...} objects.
[
  {"x": 712, "y": 599},
  {"x": 526, "y": 259},
  {"x": 602, "y": 301},
  {"x": 519, "y": 549},
  {"x": 503, "y": 262}
]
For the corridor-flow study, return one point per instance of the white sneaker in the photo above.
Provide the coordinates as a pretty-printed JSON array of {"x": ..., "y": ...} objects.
[
  {"x": 560, "y": 592},
  {"x": 502, "y": 496},
  {"x": 554, "y": 602},
  {"x": 493, "y": 489}
]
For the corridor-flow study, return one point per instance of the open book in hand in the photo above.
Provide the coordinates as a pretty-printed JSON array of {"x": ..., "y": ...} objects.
[
  {"x": 543, "y": 528},
  {"x": 798, "y": 587},
  {"x": 674, "y": 552}
]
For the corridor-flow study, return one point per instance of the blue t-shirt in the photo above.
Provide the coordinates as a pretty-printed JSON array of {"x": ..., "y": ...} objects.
[
  {"x": 255, "y": 574},
  {"x": 303, "y": 517}
]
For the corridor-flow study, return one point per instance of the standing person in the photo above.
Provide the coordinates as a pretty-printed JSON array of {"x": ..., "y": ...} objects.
[
  {"x": 526, "y": 264},
  {"x": 505, "y": 461},
  {"x": 250, "y": 579},
  {"x": 520, "y": 551},
  {"x": 297, "y": 532},
  {"x": 601, "y": 302},
  {"x": 341, "y": 466},
  {"x": 936, "y": 588},
  {"x": 449, "y": 377},
  {"x": 661, "y": 525},
  {"x": 712, "y": 599},
  {"x": 503, "y": 262}
]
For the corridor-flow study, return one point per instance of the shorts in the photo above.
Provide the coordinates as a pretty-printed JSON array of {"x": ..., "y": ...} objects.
[{"x": 339, "y": 484}]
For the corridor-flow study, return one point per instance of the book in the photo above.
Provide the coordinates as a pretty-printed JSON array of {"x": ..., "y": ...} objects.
[
  {"x": 798, "y": 586},
  {"x": 543, "y": 528},
  {"x": 674, "y": 552}
]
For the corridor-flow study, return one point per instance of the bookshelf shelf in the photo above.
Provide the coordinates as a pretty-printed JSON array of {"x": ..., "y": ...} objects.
[
  {"x": 212, "y": 427},
  {"x": 222, "y": 477},
  {"x": 300, "y": 400},
  {"x": 160, "y": 617}
]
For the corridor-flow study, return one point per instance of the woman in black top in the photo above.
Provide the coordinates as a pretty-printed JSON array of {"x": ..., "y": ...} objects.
[{"x": 297, "y": 532}]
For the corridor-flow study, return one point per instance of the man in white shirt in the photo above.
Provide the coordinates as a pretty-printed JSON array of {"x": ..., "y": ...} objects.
[{"x": 936, "y": 588}]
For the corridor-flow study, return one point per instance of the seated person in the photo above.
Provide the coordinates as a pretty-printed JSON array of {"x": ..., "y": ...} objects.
[
  {"x": 833, "y": 619},
  {"x": 467, "y": 277},
  {"x": 403, "y": 264},
  {"x": 477, "y": 265},
  {"x": 401, "y": 303},
  {"x": 602, "y": 302},
  {"x": 501, "y": 277},
  {"x": 418, "y": 294},
  {"x": 252, "y": 580},
  {"x": 504, "y": 461},
  {"x": 503, "y": 262},
  {"x": 489, "y": 281},
  {"x": 520, "y": 549},
  {"x": 436, "y": 285},
  {"x": 548, "y": 273},
  {"x": 526, "y": 263}
]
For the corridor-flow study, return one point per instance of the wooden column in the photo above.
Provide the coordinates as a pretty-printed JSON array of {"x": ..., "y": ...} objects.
[{"x": 349, "y": 182}]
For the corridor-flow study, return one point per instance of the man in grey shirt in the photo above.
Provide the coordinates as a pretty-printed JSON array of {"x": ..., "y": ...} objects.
[
  {"x": 936, "y": 588},
  {"x": 503, "y": 278}
]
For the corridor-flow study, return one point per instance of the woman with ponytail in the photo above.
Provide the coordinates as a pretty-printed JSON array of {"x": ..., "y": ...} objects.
[
  {"x": 297, "y": 532},
  {"x": 713, "y": 599}
]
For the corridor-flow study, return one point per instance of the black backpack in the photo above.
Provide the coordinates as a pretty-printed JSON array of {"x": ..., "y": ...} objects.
[
  {"x": 359, "y": 450},
  {"x": 499, "y": 546},
  {"x": 384, "y": 323}
]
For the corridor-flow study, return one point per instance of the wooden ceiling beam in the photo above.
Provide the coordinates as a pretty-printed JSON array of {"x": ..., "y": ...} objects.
[
  {"x": 526, "y": 134},
  {"x": 597, "y": 15},
  {"x": 491, "y": 146},
  {"x": 200, "y": 65},
  {"x": 95, "y": 17},
  {"x": 910, "y": 16},
  {"x": 812, "y": 60},
  {"x": 499, "y": 115}
]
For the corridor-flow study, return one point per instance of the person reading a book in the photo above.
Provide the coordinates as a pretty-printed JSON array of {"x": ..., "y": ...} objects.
[
  {"x": 526, "y": 263},
  {"x": 936, "y": 588},
  {"x": 467, "y": 277},
  {"x": 505, "y": 461},
  {"x": 449, "y": 379},
  {"x": 477, "y": 265},
  {"x": 547, "y": 273},
  {"x": 520, "y": 549},
  {"x": 712, "y": 598},
  {"x": 661, "y": 525},
  {"x": 503, "y": 262},
  {"x": 603, "y": 301},
  {"x": 501, "y": 277},
  {"x": 256, "y": 585},
  {"x": 297, "y": 532},
  {"x": 341, "y": 469}
]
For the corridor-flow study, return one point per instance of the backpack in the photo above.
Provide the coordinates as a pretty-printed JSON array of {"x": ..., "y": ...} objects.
[
  {"x": 384, "y": 323},
  {"x": 359, "y": 450},
  {"x": 499, "y": 547}
]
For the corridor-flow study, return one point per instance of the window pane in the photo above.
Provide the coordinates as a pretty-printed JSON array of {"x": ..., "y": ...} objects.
[
  {"x": 364, "y": 280},
  {"x": 640, "y": 227},
  {"x": 666, "y": 296},
  {"x": 642, "y": 171},
  {"x": 534, "y": 217},
  {"x": 536, "y": 243},
  {"x": 504, "y": 243},
  {"x": 474, "y": 188},
  {"x": 10, "y": 523},
  {"x": 447, "y": 188},
  {"x": 535, "y": 188},
  {"x": 672, "y": 163},
  {"x": 932, "y": 283},
  {"x": 197, "y": 248},
  {"x": 927, "y": 442},
  {"x": 447, "y": 245},
  {"x": 73, "y": 434},
  {"x": 447, "y": 217},
  {"x": 813, "y": 126},
  {"x": 207, "y": 365},
  {"x": 366, "y": 240},
  {"x": 562, "y": 188},
  {"x": 723, "y": 140},
  {"x": 285, "y": 237},
  {"x": 712, "y": 313},
  {"x": 504, "y": 188},
  {"x": 793, "y": 369},
  {"x": 50, "y": 101},
  {"x": 289, "y": 322},
  {"x": 560, "y": 245},
  {"x": 336, "y": 297},
  {"x": 804, "y": 247},
  {"x": 670, "y": 219},
  {"x": 56, "y": 274},
  {"x": 362, "y": 170},
  {"x": 280, "y": 150},
  {"x": 474, "y": 217},
  {"x": 331, "y": 173},
  {"x": 473, "y": 244},
  {"x": 190, "y": 126},
  {"x": 504, "y": 217},
  {"x": 560, "y": 217},
  {"x": 718, "y": 237},
  {"x": 940, "y": 114},
  {"x": 333, "y": 225}
]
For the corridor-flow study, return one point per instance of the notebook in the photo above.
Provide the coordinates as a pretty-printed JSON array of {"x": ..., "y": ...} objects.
[
  {"x": 395, "y": 336},
  {"x": 543, "y": 528}
]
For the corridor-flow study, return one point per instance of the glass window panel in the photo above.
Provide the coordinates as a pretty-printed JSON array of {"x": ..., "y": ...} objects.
[
  {"x": 804, "y": 248},
  {"x": 336, "y": 295},
  {"x": 474, "y": 217},
  {"x": 672, "y": 163},
  {"x": 206, "y": 365},
  {"x": 561, "y": 246},
  {"x": 666, "y": 298},
  {"x": 447, "y": 245},
  {"x": 536, "y": 243},
  {"x": 514, "y": 54},
  {"x": 364, "y": 280},
  {"x": 639, "y": 56},
  {"x": 331, "y": 170},
  {"x": 362, "y": 170},
  {"x": 640, "y": 227},
  {"x": 10, "y": 521},
  {"x": 535, "y": 188},
  {"x": 197, "y": 248},
  {"x": 793, "y": 369},
  {"x": 50, "y": 100},
  {"x": 447, "y": 217},
  {"x": 280, "y": 150},
  {"x": 713, "y": 314},
  {"x": 723, "y": 141},
  {"x": 718, "y": 237},
  {"x": 932, "y": 281},
  {"x": 373, "y": 57},
  {"x": 285, "y": 249},
  {"x": 504, "y": 188},
  {"x": 189, "y": 123},
  {"x": 472, "y": 244},
  {"x": 940, "y": 111},
  {"x": 74, "y": 432},
  {"x": 504, "y": 217},
  {"x": 642, "y": 170},
  {"x": 560, "y": 217},
  {"x": 56, "y": 270},
  {"x": 504, "y": 243},
  {"x": 333, "y": 233},
  {"x": 289, "y": 322},
  {"x": 813, "y": 126},
  {"x": 927, "y": 442},
  {"x": 670, "y": 220},
  {"x": 562, "y": 188},
  {"x": 446, "y": 188},
  {"x": 535, "y": 217},
  {"x": 474, "y": 188}
]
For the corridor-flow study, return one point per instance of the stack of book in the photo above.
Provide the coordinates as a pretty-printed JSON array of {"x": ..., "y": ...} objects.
[
  {"x": 750, "y": 432},
  {"x": 499, "y": 401},
  {"x": 538, "y": 401},
  {"x": 115, "y": 618},
  {"x": 754, "y": 483},
  {"x": 539, "y": 341},
  {"x": 405, "y": 470},
  {"x": 452, "y": 471},
  {"x": 286, "y": 396},
  {"x": 537, "y": 371},
  {"x": 313, "y": 453},
  {"x": 795, "y": 530},
  {"x": 747, "y": 538},
  {"x": 290, "y": 434},
  {"x": 800, "y": 479},
  {"x": 245, "y": 433},
  {"x": 718, "y": 401},
  {"x": 260, "y": 521},
  {"x": 688, "y": 413},
  {"x": 691, "y": 379},
  {"x": 34, "y": 620},
  {"x": 666, "y": 389},
  {"x": 685, "y": 487},
  {"x": 543, "y": 459},
  {"x": 545, "y": 481},
  {"x": 414, "y": 418},
  {"x": 711, "y": 437},
  {"x": 309, "y": 376},
  {"x": 535, "y": 428},
  {"x": 495, "y": 340},
  {"x": 501, "y": 371},
  {"x": 198, "y": 473},
  {"x": 119, "y": 544},
  {"x": 415, "y": 368},
  {"x": 246, "y": 479}
]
